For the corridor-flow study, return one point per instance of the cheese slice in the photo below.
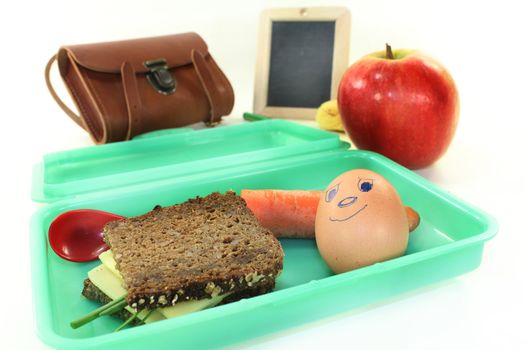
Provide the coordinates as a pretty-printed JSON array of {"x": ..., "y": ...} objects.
[
  {"x": 109, "y": 278},
  {"x": 186, "y": 307},
  {"x": 110, "y": 285},
  {"x": 109, "y": 261}
]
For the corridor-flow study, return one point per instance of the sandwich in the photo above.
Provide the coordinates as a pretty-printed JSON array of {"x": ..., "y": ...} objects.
[{"x": 183, "y": 258}]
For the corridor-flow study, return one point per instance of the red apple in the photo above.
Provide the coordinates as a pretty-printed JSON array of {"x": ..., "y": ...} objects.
[{"x": 401, "y": 104}]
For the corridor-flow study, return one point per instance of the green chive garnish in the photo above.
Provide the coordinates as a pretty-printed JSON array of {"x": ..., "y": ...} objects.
[
  {"x": 114, "y": 308},
  {"x": 96, "y": 313},
  {"x": 128, "y": 321}
]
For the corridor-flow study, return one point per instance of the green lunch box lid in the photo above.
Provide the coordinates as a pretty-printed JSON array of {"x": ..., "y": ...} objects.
[{"x": 173, "y": 153}]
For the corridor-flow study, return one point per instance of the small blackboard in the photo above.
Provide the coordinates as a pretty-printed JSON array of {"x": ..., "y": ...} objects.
[
  {"x": 301, "y": 63},
  {"x": 302, "y": 55}
]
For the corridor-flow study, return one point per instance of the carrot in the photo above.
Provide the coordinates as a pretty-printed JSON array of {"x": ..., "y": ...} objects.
[
  {"x": 287, "y": 213},
  {"x": 291, "y": 213},
  {"x": 413, "y": 219}
]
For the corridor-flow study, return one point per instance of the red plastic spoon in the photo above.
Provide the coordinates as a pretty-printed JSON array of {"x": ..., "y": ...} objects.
[{"x": 76, "y": 235}]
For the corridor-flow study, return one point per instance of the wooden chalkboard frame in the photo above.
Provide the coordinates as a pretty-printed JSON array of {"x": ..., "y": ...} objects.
[{"x": 339, "y": 15}]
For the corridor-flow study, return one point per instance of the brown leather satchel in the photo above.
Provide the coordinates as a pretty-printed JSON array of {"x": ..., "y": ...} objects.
[{"x": 126, "y": 88}]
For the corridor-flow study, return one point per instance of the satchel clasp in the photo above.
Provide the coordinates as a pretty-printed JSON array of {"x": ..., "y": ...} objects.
[{"x": 160, "y": 77}]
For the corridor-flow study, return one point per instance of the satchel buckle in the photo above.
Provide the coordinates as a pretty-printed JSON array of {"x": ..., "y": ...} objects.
[{"x": 160, "y": 77}]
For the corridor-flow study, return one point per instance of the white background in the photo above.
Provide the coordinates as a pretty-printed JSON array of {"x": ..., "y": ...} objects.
[{"x": 480, "y": 43}]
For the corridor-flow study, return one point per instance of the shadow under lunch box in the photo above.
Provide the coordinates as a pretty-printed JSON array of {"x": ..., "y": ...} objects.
[{"x": 130, "y": 178}]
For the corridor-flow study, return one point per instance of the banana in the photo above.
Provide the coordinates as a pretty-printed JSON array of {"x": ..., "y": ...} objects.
[{"x": 328, "y": 117}]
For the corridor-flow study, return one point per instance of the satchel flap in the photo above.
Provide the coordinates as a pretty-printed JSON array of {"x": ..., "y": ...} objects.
[{"x": 108, "y": 57}]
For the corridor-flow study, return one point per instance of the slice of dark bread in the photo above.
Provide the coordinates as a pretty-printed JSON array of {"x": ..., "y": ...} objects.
[
  {"x": 92, "y": 292},
  {"x": 201, "y": 248}
]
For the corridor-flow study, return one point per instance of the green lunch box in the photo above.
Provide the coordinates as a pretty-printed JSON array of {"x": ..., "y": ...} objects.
[{"x": 130, "y": 178}]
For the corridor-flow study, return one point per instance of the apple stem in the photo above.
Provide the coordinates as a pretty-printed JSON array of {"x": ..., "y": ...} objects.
[{"x": 389, "y": 53}]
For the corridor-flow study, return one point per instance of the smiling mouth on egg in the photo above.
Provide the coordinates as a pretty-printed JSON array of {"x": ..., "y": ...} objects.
[{"x": 349, "y": 217}]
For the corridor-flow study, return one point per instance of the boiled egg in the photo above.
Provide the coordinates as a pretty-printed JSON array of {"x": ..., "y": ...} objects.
[{"x": 360, "y": 221}]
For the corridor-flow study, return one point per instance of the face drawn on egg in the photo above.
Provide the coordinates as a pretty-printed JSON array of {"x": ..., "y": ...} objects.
[
  {"x": 348, "y": 200},
  {"x": 360, "y": 221}
]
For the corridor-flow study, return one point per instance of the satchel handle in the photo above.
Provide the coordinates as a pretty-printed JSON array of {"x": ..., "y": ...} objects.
[
  {"x": 130, "y": 91},
  {"x": 214, "y": 90},
  {"x": 76, "y": 118}
]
